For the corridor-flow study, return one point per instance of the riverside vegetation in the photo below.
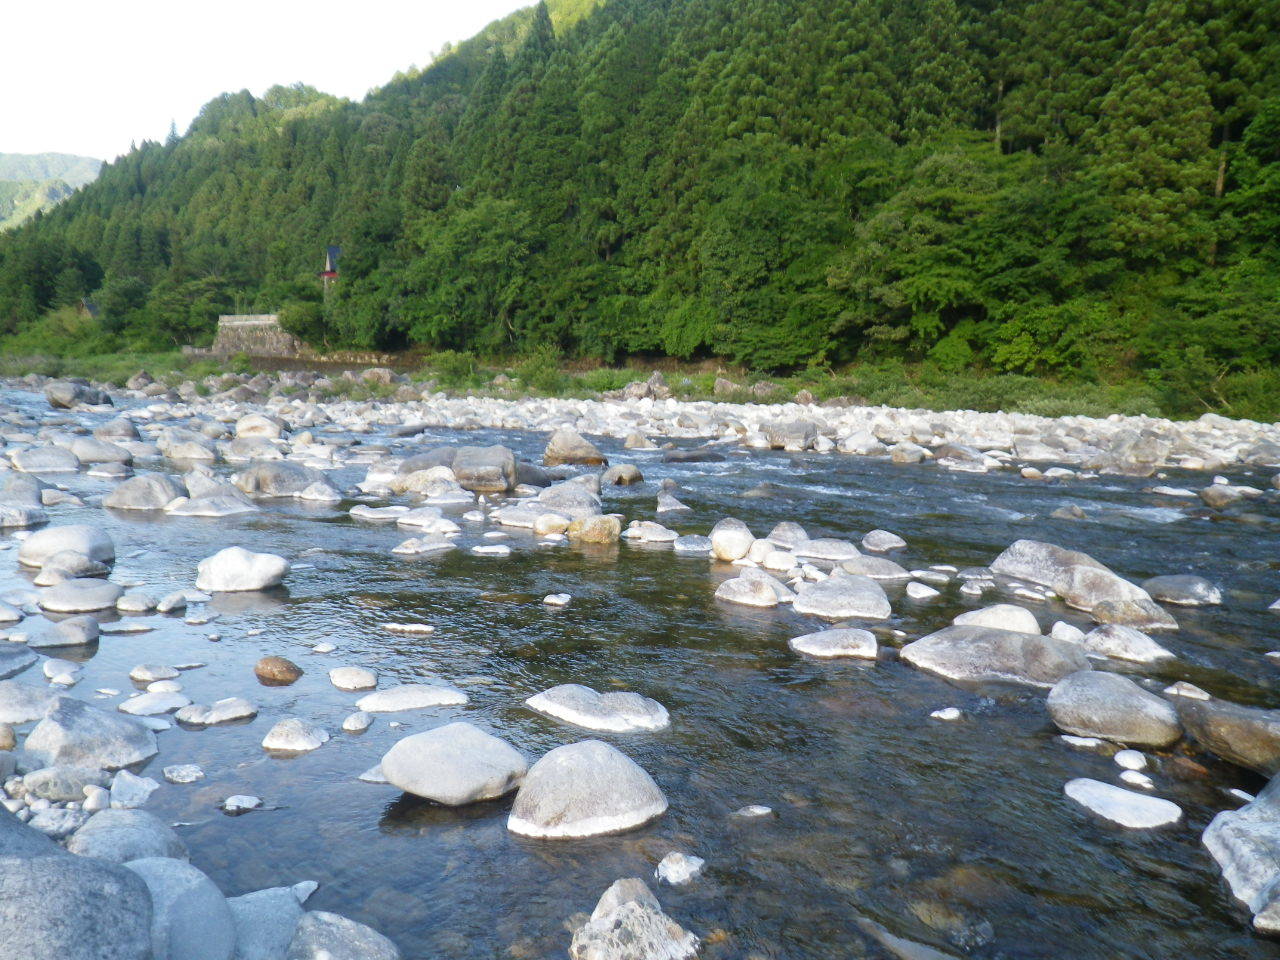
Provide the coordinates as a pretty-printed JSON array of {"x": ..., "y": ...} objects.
[{"x": 1083, "y": 192}]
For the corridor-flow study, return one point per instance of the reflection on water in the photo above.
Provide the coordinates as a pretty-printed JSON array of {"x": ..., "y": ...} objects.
[{"x": 955, "y": 834}]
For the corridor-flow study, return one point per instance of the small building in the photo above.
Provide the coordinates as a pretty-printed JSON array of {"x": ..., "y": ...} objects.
[{"x": 257, "y": 335}]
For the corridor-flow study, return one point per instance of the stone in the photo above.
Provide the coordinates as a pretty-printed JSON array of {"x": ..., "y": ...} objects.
[
  {"x": 1143, "y": 614},
  {"x": 14, "y": 659},
  {"x": 221, "y": 711},
  {"x": 67, "y": 565},
  {"x": 276, "y": 671},
  {"x": 485, "y": 469},
  {"x": 45, "y": 460},
  {"x": 123, "y": 835},
  {"x": 67, "y": 394},
  {"x": 1248, "y": 736},
  {"x": 621, "y": 475},
  {"x": 601, "y": 528},
  {"x": 1246, "y": 845},
  {"x": 60, "y": 907},
  {"x": 77, "y": 537},
  {"x": 265, "y": 922},
  {"x": 241, "y": 803},
  {"x": 842, "y": 596},
  {"x": 1129, "y": 809},
  {"x": 1002, "y": 616},
  {"x": 274, "y": 479},
  {"x": 153, "y": 703},
  {"x": 328, "y": 936},
  {"x": 842, "y": 642},
  {"x": 146, "y": 491},
  {"x": 236, "y": 569},
  {"x": 1079, "y": 579},
  {"x": 353, "y": 678},
  {"x": 1124, "y": 643},
  {"x": 1184, "y": 590},
  {"x": 753, "y": 588},
  {"x": 21, "y": 702},
  {"x": 62, "y": 783},
  {"x": 129, "y": 790},
  {"x": 983, "y": 654},
  {"x": 183, "y": 773},
  {"x": 357, "y": 722},
  {"x": 410, "y": 696},
  {"x": 294, "y": 735},
  {"x": 16, "y": 516},
  {"x": 731, "y": 539},
  {"x": 678, "y": 868},
  {"x": 455, "y": 764},
  {"x": 79, "y": 595},
  {"x": 570, "y": 447},
  {"x": 628, "y": 924},
  {"x": 1093, "y": 703},
  {"x": 190, "y": 918},
  {"x": 584, "y": 789},
  {"x": 616, "y": 712},
  {"x": 72, "y": 732},
  {"x": 793, "y": 435}
]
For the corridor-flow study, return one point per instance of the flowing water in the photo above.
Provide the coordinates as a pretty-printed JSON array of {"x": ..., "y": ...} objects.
[{"x": 953, "y": 834}]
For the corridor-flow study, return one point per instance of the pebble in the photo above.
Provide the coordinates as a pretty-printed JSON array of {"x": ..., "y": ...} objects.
[
  {"x": 1131, "y": 759},
  {"x": 678, "y": 868},
  {"x": 1122, "y": 806},
  {"x": 753, "y": 810},
  {"x": 947, "y": 713},
  {"x": 241, "y": 803},
  {"x": 557, "y": 599},
  {"x": 183, "y": 773}
]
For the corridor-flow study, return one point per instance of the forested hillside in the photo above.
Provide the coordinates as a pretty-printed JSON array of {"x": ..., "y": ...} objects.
[
  {"x": 34, "y": 182},
  {"x": 1078, "y": 188}
]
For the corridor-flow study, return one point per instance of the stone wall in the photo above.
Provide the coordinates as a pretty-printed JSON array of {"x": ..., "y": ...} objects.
[{"x": 257, "y": 336}]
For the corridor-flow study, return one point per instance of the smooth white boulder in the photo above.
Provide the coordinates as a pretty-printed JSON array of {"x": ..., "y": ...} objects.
[
  {"x": 1134, "y": 810},
  {"x": 616, "y": 712},
  {"x": 584, "y": 789},
  {"x": 842, "y": 642},
  {"x": 1002, "y": 616},
  {"x": 455, "y": 764},
  {"x": 294, "y": 735},
  {"x": 411, "y": 696},
  {"x": 78, "y": 538},
  {"x": 235, "y": 569}
]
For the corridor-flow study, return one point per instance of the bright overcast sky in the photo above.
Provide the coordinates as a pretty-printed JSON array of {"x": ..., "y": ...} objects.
[{"x": 89, "y": 77}]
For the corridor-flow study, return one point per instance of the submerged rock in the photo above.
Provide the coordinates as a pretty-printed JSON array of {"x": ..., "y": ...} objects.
[
  {"x": 979, "y": 654},
  {"x": 328, "y": 936},
  {"x": 584, "y": 789}
]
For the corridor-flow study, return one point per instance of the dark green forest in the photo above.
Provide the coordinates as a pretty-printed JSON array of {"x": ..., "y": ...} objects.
[{"x": 1075, "y": 189}]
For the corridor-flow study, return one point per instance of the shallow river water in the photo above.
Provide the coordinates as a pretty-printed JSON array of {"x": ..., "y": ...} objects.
[{"x": 957, "y": 835}]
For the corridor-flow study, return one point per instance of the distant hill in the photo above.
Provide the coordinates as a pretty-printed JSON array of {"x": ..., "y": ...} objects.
[{"x": 31, "y": 182}]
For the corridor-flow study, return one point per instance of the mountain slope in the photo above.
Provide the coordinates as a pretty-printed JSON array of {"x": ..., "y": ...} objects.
[
  {"x": 31, "y": 183},
  {"x": 1079, "y": 188}
]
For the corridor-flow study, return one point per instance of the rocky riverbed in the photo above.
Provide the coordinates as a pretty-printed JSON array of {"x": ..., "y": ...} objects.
[{"x": 292, "y": 675}]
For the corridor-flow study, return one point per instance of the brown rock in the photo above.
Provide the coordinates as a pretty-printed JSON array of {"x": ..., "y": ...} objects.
[
  {"x": 276, "y": 671},
  {"x": 597, "y": 529},
  {"x": 8, "y": 739}
]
